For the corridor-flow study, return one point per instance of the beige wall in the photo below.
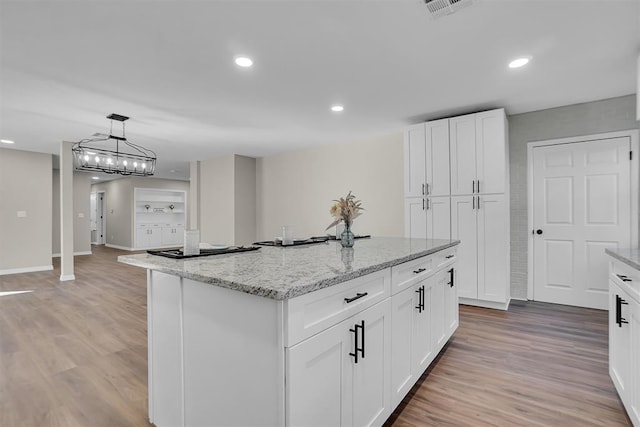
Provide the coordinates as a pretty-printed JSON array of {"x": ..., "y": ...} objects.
[
  {"x": 296, "y": 188},
  {"x": 81, "y": 214},
  {"x": 25, "y": 185},
  {"x": 227, "y": 187},
  {"x": 119, "y": 195}
]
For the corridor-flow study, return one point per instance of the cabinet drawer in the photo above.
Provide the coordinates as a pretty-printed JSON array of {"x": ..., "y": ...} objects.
[
  {"x": 314, "y": 312},
  {"x": 626, "y": 277},
  {"x": 411, "y": 272},
  {"x": 444, "y": 258}
]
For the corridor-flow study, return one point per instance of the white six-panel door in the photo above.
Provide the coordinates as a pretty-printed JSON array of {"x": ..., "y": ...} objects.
[{"x": 582, "y": 205}]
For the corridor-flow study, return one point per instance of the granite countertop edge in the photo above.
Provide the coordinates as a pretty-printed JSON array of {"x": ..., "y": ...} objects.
[
  {"x": 631, "y": 257},
  {"x": 265, "y": 291}
]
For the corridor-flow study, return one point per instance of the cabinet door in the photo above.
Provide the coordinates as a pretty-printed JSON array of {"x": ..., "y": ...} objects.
[
  {"x": 634, "y": 323},
  {"x": 438, "y": 217},
  {"x": 423, "y": 350},
  {"x": 491, "y": 149},
  {"x": 414, "y": 160},
  {"x": 619, "y": 343},
  {"x": 319, "y": 373},
  {"x": 437, "y": 158},
  {"x": 493, "y": 248},
  {"x": 463, "y": 154},
  {"x": 142, "y": 237},
  {"x": 155, "y": 237},
  {"x": 403, "y": 314},
  {"x": 634, "y": 326},
  {"x": 451, "y": 302},
  {"x": 463, "y": 228},
  {"x": 371, "y": 386},
  {"x": 437, "y": 300},
  {"x": 415, "y": 221},
  {"x": 178, "y": 235}
]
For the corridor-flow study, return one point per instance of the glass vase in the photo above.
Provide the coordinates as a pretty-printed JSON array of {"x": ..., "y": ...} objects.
[{"x": 346, "y": 238}]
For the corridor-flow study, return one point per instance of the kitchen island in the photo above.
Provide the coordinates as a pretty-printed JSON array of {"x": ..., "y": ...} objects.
[{"x": 305, "y": 335}]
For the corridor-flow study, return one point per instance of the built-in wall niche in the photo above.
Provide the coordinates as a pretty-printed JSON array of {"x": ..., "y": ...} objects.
[{"x": 159, "y": 217}]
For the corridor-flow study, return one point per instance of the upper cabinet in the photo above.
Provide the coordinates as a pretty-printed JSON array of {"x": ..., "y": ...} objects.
[
  {"x": 426, "y": 151},
  {"x": 478, "y": 153}
]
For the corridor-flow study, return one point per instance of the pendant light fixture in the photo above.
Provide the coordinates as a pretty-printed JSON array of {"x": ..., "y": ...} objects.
[{"x": 113, "y": 154}]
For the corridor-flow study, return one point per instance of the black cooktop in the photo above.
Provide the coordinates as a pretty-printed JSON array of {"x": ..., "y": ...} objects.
[{"x": 178, "y": 254}]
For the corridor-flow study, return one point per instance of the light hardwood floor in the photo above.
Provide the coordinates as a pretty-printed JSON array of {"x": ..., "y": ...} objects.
[{"x": 75, "y": 354}]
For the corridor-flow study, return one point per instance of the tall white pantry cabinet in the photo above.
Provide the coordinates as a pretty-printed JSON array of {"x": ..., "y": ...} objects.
[{"x": 457, "y": 186}]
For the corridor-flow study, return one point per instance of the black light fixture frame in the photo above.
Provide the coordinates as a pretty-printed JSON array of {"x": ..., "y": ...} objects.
[{"x": 138, "y": 161}]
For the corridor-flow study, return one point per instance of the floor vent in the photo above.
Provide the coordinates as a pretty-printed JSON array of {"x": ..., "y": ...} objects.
[{"x": 439, "y": 8}]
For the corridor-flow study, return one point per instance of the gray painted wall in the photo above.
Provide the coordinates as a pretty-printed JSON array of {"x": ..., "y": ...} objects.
[
  {"x": 119, "y": 195},
  {"x": 25, "y": 185},
  {"x": 606, "y": 115}
]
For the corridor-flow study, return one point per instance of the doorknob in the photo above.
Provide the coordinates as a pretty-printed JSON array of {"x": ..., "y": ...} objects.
[{"x": 538, "y": 231}]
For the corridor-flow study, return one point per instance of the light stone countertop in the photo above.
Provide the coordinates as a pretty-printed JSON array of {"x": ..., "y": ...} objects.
[
  {"x": 283, "y": 273},
  {"x": 630, "y": 257}
]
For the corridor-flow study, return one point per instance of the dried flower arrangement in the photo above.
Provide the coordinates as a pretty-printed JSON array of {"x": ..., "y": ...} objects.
[{"x": 345, "y": 210}]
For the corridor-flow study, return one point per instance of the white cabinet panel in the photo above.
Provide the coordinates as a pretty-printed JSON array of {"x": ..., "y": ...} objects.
[
  {"x": 437, "y": 158},
  {"x": 415, "y": 221},
  {"x": 491, "y": 161},
  {"x": 403, "y": 307},
  {"x": 451, "y": 301},
  {"x": 463, "y": 154},
  {"x": 634, "y": 326},
  {"x": 438, "y": 217},
  {"x": 493, "y": 248},
  {"x": 463, "y": 228},
  {"x": 437, "y": 314},
  {"x": 414, "y": 160}
]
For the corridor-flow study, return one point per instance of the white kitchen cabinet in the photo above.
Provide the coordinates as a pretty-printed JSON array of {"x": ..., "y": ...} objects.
[
  {"x": 477, "y": 164},
  {"x": 624, "y": 335},
  {"x": 173, "y": 234},
  {"x": 148, "y": 236},
  {"x": 422, "y": 322},
  {"x": 426, "y": 150},
  {"x": 481, "y": 224},
  {"x": 479, "y": 153},
  {"x": 428, "y": 217},
  {"x": 166, "y": 209},
  {"x": 341, "y": 376}
]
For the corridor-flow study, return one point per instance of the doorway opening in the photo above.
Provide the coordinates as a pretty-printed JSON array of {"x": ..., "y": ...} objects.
[{"x": 98, "y": 218}]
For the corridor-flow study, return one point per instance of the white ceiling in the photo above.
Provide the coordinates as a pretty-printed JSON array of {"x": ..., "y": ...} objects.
[{"x": 169, "y": 65}]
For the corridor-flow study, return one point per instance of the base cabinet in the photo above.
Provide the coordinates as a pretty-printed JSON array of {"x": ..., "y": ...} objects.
[
  {"x": 624, "y": 336},
  {"x": 340, "y": 377}
]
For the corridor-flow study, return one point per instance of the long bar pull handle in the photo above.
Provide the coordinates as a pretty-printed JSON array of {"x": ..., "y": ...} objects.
[
  {"x": 428, "y": 189},
  {"x": 420, "y": 270},
  {"x": 473, "y": 187},
  {"x": 423, "y": 190},
  {"x": 478, "y": 186},
  {"x": 362, "y": 349},
  {"x": 420, "y": 305},
  {"x": 449, "y": 256},
  {"x": 422, "y": 302},
  {"x": 451, "y": 277},
  {"x": 474, "y": 202},
  {"x": 478, "y": 204},
  {"x": 619, "y": 303},
  {"x": 358, "y": 296},
  {"x": 422, "y": 204},
  {"x": 428, "y": 204},
  {"x": 355, "y": 346}
]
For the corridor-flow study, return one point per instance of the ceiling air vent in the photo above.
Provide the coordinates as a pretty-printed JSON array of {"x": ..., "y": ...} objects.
[{"x": 439, "y": 8}]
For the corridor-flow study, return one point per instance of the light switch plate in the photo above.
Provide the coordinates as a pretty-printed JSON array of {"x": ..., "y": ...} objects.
[{"x": 22, "y": 214}]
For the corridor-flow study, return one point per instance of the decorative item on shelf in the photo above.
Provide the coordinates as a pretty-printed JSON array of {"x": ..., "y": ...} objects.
[
  {"x": 147, "y": 207},
  {"x": 113, "y": 154},
  {"x": 172, "y": 207},
  {"x": 345, "y": 210}
]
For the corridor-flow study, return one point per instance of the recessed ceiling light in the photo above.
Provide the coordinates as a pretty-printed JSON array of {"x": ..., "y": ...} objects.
[
  {"x": 95, "y": 177},
  {"x": 243, "y": 61},
  {"x": 7, "y": 141},
  {"x": 519, "y": 62},
  {"x": 337, "y": 108}
]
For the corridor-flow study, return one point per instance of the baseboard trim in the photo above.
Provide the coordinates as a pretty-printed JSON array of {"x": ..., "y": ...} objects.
[
  {"x": 486, "y": 304},
  {"x": 74, "y": 254},
  {"x": 124, "y": 248},
  {"x": 25, "y": 269},
  {"x": 66, "y": 277}
]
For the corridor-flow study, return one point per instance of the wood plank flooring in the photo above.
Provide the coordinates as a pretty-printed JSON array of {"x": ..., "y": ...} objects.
[{"x": 75, "y": 354}]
